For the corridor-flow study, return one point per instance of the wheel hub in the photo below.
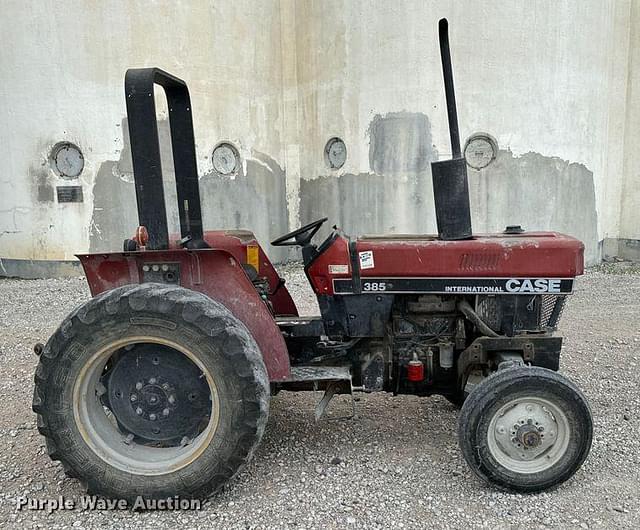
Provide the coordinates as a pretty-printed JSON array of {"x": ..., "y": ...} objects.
[
  {"x": 152, "y": 400},
  {"x": 158, "y": 395},
  {"x": 528, "y": 434}
]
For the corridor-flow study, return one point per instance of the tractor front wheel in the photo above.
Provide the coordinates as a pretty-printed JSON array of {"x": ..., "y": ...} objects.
[
  {"x": 151, "y": 390},
  {"x": 525, "y": 429}
]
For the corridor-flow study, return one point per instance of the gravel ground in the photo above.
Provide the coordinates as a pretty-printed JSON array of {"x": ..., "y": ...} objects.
[{"x": 397, "y": 464}]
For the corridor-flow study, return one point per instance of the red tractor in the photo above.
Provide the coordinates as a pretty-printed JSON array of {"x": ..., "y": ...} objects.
[{"x": 160, "y": 384}]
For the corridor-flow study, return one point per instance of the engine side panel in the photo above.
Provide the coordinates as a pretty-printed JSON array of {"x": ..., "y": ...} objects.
[
  {"x": 529, "y": 254},
  {"x": 537, "y": 262}
]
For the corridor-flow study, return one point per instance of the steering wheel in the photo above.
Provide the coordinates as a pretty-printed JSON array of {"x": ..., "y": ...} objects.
[{"x": 301, "y": 236}]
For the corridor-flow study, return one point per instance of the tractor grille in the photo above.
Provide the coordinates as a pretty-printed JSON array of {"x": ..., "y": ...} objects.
[
  {"x": 515, "y": 313},
  {"x": 551, "y": 310}
]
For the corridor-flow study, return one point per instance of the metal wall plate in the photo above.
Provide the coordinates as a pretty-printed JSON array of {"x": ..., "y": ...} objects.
[{"x": 69, "y": 194}]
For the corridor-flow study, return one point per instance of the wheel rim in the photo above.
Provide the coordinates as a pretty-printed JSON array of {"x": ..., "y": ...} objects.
[
  {"x": 528, "y": 435},
  {"x": 140, "y": 447}
]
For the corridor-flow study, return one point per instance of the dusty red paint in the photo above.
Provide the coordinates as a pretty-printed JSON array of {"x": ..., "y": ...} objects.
[
  {"x": 236, "y": 242},
  {"x": 530, "y": 254},
  {"x": 214, "y": 272}
]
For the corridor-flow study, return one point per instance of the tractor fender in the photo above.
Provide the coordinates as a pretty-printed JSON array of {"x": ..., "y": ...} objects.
[{"x": 213, "y": 272}]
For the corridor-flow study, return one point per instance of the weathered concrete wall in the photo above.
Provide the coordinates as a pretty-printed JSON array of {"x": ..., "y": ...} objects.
[
  {"x": 630, "y": 210},
  {"x": 530, "y": 74},
  {"x": 63, "y": 66},
  {"x": 556, "y": 83}
]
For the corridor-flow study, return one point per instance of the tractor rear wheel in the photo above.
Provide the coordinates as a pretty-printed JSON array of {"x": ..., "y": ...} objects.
[
  {"x": 525, "y": 429},
  {"x": 151, "y": 390}
]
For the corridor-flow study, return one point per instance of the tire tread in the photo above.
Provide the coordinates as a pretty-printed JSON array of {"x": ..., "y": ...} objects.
[{"x": 212, "y": 319}]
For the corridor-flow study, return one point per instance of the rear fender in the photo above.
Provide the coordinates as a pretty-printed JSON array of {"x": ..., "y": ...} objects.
[{"x": 215, "y": 273}]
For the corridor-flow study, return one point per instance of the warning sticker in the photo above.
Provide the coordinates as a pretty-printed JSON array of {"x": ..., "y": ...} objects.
[
  {"x": 338, "y": 269},
  {"x": 366, "y": 259}
]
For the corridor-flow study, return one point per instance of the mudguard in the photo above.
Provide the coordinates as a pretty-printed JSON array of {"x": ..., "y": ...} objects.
[{"x": 213, "y": 272}]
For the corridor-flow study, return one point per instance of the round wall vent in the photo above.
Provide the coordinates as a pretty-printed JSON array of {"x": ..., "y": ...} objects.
[
  {"x": 66, "y": 160},
  {"x": 480, "y": 150},
  {"x": 226, "y": 160},
  {"x": 335, "y": 153}
]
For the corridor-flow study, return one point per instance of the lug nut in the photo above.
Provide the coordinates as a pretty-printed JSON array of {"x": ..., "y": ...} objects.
[
  {"x": 133, "y": 398},
  {"x": 171, "y": 399},
  {"x": 153, "y": 399},
  {"x": 139, "y": 385},
  {"x": 152, "y": 417},
  {"x": 165, "y": 386},
  {"x": 165, "y": 412},
  {"x": 139, "y": 411}
]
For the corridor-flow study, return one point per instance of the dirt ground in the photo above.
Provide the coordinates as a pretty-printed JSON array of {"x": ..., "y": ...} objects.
[{"x": 397, "y": 464}]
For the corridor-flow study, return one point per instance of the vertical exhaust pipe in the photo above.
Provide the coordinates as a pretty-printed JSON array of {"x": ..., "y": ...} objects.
[{"x": 450, "y": 187}]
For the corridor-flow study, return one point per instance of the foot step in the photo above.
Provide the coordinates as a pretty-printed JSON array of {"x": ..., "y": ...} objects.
[
  {"x": 320, "y": 373},
  {"x": 334, "y": 380}
]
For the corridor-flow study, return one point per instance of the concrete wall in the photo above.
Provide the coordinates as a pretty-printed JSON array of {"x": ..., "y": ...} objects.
[
  {"x": 63, "y": 67},
  {"x": 630, "y": 209},
  {"x": 530, "y": 73},
  {"x": 556, "y": 83}
]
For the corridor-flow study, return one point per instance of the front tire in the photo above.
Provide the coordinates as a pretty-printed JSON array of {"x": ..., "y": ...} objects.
[
  {"x": 525, "y": 429},
  {"x": 151, "y": 390}
]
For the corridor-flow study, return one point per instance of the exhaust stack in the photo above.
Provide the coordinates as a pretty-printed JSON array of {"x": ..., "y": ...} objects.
[{"x": 450, "y": 187}]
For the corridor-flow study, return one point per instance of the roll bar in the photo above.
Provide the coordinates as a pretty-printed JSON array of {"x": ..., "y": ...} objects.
[{"x": 145, "y": 153}]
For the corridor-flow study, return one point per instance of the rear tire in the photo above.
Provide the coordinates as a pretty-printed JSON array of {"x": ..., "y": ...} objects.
[
  {"x": 525, "y": 429},
  {"x": 79, "y": 426}
]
